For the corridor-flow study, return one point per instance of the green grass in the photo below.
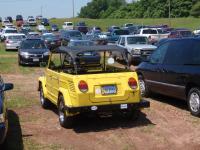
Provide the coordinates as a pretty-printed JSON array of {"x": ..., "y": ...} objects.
[{"x": 191, "y": 23}]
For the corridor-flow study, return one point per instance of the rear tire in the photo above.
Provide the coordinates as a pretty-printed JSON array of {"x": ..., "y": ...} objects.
[
  {"x": 43, "y": 101},
  {"x": 65, "y": 119},
  {"x": 144, "y": 90},
  {"x": 193, "y": 99}
]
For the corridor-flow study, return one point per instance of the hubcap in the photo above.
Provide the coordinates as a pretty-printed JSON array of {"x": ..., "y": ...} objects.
[
  {"x": 61, "y": 112},
  {"x": 194, "y": 102},
  {"x": 142, "y": 87}
]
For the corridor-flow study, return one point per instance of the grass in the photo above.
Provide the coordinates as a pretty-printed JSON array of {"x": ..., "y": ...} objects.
[{"x": 191, "y": 23}]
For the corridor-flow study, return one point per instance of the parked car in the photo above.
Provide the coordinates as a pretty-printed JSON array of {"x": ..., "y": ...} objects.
[
  {"x": 6, "y": 32},
  {"x": 137, "y": 46},
  {"x": 110, "y": 29},
  {"x": 94, "y": 35},
  {"x": 10, "y": 19},
  {"x": 39, "y": 17},
  {"x": 13, "y": 41},
  {"x": 180, "y": 33},
  {"x": 33, "y": 51},
  {"x": 19, "y": 20},
  {"x": 54, "y": 27},
  {"x": 89, "y": 90},
  {"x": 153, "y": 34},
  {"x": 5, "y": 23},
  {"x": 26, "y": 27},
  {"x": 33, "y": 35},
  {"x": 115, "y": 34},
  {"x": 51, "y": 40},
  {"x": 67, "y": 35},
  {"x": 81, "y": 26},
  {"x": 45, "y": 22},
  {"x": 95, "y": 28},
  {"x": 80, "y": 43},
  {"x": 3, "y": 109},
  {"x": 40, "y": 28},
  {"x": 173, "y": 70},
  {"x": 32, "y": 22},
  {"x": 68, "y": 26}
]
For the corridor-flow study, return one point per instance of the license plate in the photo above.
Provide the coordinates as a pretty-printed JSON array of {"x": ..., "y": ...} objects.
[
  {"x": 35, "y": 59},
  {"x": 109, "y": 89},
  {"x": 124, "y": 106}
]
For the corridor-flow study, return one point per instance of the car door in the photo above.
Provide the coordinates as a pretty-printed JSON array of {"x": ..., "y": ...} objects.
[
  {"x": 52, "y": 76},
  {"x": 174, "y": 66},
  {"x": 152, "y": 69}
]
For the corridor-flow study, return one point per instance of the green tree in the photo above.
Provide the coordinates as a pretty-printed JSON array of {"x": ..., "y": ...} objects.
[{"x": 195, "y": 10}]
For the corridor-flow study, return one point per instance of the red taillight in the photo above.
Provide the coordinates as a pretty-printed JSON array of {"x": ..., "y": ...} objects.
[
  {"x": 83, "y": 87},
  {"x": 132, "y": 83}
]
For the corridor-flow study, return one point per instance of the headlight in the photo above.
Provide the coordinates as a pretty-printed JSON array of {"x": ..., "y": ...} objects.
[
  {"x": 46, "y": 54},
  {"x": 24, "y": 53},
  {"x": 2, "y": 118},
  {"x": 136, "y": 51}
]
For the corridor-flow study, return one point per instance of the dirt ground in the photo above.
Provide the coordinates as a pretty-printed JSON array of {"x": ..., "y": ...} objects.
[{"x": 167, "y": 124}]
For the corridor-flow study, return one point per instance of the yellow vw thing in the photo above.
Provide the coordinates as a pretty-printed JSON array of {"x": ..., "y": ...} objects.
[{"x": 88, "y": 80}]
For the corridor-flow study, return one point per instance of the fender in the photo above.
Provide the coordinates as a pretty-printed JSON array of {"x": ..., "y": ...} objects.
[
  {"x": 42, "y": 81},
  {"x": 67, "y": 100}
]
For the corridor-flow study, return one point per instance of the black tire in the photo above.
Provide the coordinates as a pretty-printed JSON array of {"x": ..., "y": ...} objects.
[
  {"x": 43, "y": 101},
  {"x": 193, "y": 99},
  {"x": 19, "y": 62},
  {"x": 144, "y": 90},
  {"x": 65, "y": 119}
]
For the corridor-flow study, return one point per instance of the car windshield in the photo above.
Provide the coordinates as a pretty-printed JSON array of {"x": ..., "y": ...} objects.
[
  {"x": 10, "y": 31},
  {"x": 6, "y": 21},
  {"x": 121, "y": 32},
  {"x": 149, "y": 31},
  {"x": 137, "y": 40},
  {"x": 50, "y": 36},
  {"x": 69, "y": 24},
  {"x": 33, "y": 44},
  {"x": 129, "y": 25},
  {"x": 116, "y": 28},
  {"x": 94, "y": 62},
  {"x": 31, "y": 19},
  {"x": 20, "y": 37},
  {"x": 81, "y": 43},
  {"x": 75, "y": 34}
]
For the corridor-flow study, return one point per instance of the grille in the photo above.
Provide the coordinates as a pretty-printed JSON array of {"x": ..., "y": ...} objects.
[{"x": 71, "y": 86}]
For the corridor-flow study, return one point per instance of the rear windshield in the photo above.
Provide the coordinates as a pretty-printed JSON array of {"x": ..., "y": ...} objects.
[
  {"x": 33, "y": 44},
  {"x": 69, "y": 24},
  {"x": 20, "y": 37},
  {"x": 121, "y": 32},
  {"x": 10, "y": 31},
  {"x": 137, "y": 40},
  {"x": 149, "y": 31}
]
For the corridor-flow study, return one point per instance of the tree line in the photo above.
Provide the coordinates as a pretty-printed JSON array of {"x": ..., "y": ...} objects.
[{"x": 97, "y": 9}]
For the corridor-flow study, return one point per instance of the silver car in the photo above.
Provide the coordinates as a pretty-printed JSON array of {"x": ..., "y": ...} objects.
[{"x": 13, "y": 41}]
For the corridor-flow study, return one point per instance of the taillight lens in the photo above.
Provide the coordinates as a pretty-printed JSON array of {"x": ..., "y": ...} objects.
[
  {"x": 83, "y": 87},
  {"x": 132, "y": 83}
]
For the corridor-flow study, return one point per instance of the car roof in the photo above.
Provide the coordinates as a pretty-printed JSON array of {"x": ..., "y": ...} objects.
[{"x": 74, "y": 50}]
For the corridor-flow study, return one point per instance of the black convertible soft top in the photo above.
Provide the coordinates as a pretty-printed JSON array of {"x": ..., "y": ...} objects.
[{"x": 74, "y": 50}]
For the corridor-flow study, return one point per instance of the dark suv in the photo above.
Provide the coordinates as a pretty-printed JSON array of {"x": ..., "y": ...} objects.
[{"x": 174, "y": 70}]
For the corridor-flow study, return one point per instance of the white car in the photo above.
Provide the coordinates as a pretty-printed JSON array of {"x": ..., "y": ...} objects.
[
  {"x": 137, "y": 46},
  {"x": 196, "y": 32},
  {"x": 5, "y": 23},
  {"x": 41, "y": 28},
  {"x": 13, "y": 41},
  {"x": 6, "y": 32},
  {"x": 31, "y": 22},
  {"x": 68, "y": 26}
]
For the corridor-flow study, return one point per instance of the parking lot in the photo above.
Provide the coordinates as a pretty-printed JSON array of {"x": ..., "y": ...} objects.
[{"x": 167, "y": 124}]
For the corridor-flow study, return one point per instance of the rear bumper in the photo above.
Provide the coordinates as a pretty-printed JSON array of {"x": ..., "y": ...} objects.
[{"x": 108, "y": 108}]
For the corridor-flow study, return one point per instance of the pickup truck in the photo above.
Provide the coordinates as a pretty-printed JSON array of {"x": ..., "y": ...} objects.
[
  {"x": 153, "y": 34},
  {"x": 137, "y": 46}
]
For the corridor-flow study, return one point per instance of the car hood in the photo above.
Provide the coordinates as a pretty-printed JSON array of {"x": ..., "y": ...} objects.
[
  {"x": 35, "y": 51},
  {"x": 141, "y": 46}
]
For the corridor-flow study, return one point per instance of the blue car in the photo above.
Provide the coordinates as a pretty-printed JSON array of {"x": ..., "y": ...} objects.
[
  {"x": 115, "y": 34},
  {"x": 3, "y": 110}
]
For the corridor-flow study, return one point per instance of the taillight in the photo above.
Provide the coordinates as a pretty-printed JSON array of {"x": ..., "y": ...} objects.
[
  {"x": 132, "y": 83},
  {"x": 7, "y": 41},
  {"x": 83, "y": 87}
]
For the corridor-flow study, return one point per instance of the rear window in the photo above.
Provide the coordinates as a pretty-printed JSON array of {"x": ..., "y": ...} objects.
[
  {"x": 121, "y": 32},
  {"x": 137, "y": 40},
  {"x": 33, "y": 44},
  {"x": 10, "y": 31},
  {"x": 69, "y": 24},
  {"x": 149, "y": 31},
  {"x": 16, "y": 37}
]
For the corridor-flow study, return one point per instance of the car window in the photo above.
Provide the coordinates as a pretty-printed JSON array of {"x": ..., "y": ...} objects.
[
  {"x": 178, "y": 52},
  {"x": 122, "y": 41},
  {"x": 55, "y": 62},
  {"x": 159, "y": 54}
]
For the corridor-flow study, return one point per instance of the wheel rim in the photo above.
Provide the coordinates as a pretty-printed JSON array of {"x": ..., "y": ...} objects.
[
  {"x": 142, "y": 86},
  {"x": 194, "y": 102},
  {"x": 61, "y": 112},
  {"x": 41, "y": 96}
]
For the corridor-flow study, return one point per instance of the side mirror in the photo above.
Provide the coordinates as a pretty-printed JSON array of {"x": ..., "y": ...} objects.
[{"x": 8, "y": 86}]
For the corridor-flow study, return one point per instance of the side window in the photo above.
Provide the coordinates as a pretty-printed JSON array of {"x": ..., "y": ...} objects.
[
  {"x": 67, "y": 64},
  {"x": 178, "y": 52},
  {"x": 194, "y": 57},
  {"x": 159, "y": 54},
  {"x": 55, "y": 62},
  {"x": 122, "y": 42}
]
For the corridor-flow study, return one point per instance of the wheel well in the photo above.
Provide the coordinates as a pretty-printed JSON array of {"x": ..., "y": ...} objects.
[
  {"x": 39, "y": 86},
  {"x": 189, "y": 86}
]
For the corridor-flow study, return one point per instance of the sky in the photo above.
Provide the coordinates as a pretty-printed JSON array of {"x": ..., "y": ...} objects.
[{"x": 50, "y": 8}]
